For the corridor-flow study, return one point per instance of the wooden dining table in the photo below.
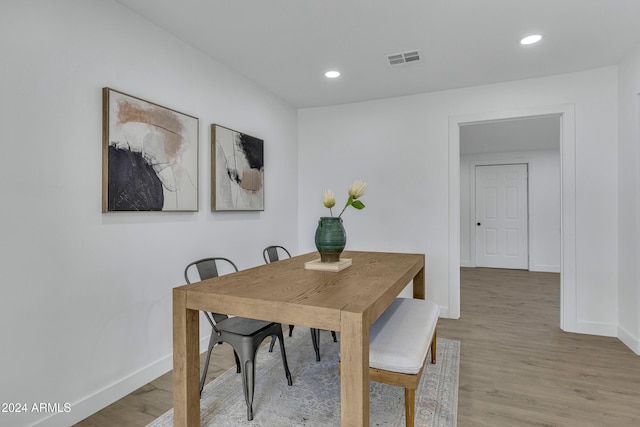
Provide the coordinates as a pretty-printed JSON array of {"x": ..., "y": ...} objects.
[{"x": 348, "y": 301}]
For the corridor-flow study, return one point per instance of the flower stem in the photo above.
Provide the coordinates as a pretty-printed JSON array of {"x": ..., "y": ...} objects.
[{"x": 346, "y": 205}]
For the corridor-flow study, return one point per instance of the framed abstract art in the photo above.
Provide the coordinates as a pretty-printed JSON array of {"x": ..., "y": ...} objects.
[
  {"x": 237, "y": 171},
  {"x": 149, "y": 156}
]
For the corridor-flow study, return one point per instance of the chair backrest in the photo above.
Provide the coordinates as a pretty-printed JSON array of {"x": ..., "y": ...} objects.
[
  {"x": 274, "y": 253},
  {"x": 208, "y": 268}
]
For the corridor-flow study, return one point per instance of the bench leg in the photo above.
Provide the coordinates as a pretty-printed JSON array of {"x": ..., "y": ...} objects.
[
  {"x": 433, "y": 346},
  {"x": 409, "y": 406}
]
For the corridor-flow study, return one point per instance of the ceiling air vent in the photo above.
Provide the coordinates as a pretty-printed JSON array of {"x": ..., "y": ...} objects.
[{"x": 404, "y": 58}]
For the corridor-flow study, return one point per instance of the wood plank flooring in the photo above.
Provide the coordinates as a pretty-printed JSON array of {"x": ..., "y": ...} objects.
[
  {"x": 517, "y": 368},
  {"x": 154, "y": 399}
]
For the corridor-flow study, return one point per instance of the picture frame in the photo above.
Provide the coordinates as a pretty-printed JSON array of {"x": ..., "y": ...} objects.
[
  {"x": 237, "y": 171},
  {"x": 149, "y": 156}
]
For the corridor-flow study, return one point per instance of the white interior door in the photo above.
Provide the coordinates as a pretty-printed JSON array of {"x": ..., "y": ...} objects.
[{"x": 502, "y": 216}]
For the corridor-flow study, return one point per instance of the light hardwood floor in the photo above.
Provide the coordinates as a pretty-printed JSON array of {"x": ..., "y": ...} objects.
[
  {"x": 517, "y": 368},
  {"x": 154, "y": 399}
]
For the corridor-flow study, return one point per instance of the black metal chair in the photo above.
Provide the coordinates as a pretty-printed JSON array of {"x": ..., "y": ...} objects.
[
  {"x": 272, "y": 254},
  {"x": 243, "y": 334}
]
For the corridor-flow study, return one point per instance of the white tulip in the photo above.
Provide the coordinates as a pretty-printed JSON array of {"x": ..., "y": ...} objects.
[
  {"x": 328, "y": 199},
  {"x": 357, "y": 189}
]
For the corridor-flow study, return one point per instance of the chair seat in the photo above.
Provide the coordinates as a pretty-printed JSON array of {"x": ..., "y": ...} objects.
[
  {"x": 243, "y": 326},
  {"x": 399, "y": 339}
]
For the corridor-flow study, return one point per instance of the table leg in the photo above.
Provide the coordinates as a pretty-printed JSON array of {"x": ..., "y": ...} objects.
[
  {"x": 354, "y": 370},
  {"x": 186, "y": 363},
  {"x": 419, "y": 291}
]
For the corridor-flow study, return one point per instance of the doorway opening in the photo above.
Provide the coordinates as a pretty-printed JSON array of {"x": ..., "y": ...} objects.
[
  {"x": 460, "y": 179},
  {"x": 528, "y": 149}
]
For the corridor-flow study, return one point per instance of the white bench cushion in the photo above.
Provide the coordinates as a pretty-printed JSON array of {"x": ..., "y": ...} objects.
[{"x": 399, "y": 339}]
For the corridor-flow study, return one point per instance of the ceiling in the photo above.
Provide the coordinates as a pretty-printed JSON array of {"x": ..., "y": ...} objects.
[{"x": 286, "y": 46}]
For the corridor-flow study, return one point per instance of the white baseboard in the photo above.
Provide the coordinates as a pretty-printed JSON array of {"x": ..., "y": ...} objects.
[
  {"x": 537, "y": 268},
  {"x": 596, "y": 328},
  {"x": 629, "y": 340},
  {"x": 91, "y": 404},
  {"x": 545, "y": 268},
  {"x": 444, "y": 312}
]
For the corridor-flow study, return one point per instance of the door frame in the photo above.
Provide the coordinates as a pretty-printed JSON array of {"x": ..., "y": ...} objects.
[
  {"x": 568, "y": 279},
  {"x": 472, "y": 202}
]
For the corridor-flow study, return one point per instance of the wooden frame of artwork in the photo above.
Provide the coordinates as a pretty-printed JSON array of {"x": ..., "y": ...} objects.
[
  {"x": 149, "y": 156},
  {"x": 237, "y": 171}
]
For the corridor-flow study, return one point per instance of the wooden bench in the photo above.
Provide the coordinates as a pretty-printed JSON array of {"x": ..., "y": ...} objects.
[{"x": 399, "y": 342}]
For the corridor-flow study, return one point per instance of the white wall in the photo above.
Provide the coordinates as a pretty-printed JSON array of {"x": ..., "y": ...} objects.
[
  {"x": 85, "y": 312},
  {"x": 628, "y": 208},
  {"x": 400, "y": 146},
  {"x": 544, "y": 205}
]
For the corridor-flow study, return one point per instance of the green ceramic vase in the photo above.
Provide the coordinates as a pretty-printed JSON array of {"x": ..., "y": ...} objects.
[{"x": 330, "y": 239}]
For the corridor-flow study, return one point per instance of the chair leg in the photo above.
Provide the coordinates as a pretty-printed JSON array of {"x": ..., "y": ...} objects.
[
  {"x": 212, "y": 344},
  {"x": 291, "y": 329},
  {"x": 315, "y": 339},
  {"x": 284, "y": 360},
  {"x": 273, "y": 341},
  {"x": 235, "y": 355},
  {"x": 409, "y": 406},
  {"x": 333, "y": 334},
  {"x": 433, "y": 346},
  {"x": 246, "y": 350},
  {"x": 248, "y": 384}
]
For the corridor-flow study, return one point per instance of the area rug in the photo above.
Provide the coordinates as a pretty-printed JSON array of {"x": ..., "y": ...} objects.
[{"x": 314, "y": 397}]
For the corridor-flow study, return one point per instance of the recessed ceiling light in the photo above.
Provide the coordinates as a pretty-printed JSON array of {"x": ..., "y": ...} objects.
[
  {"x": 332, "y": 74},
  {"x": 534, "y": 38}
]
